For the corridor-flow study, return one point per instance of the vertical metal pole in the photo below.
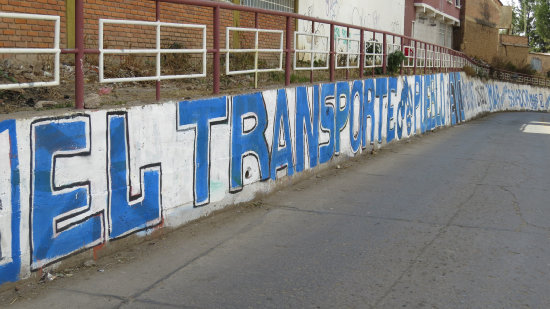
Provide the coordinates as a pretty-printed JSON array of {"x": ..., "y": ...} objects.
[
  {"x": 256, "y": 25},
  {"x": 440, "y": 60},
  {"x": 157, "y": 84},
  {"x": 348, "y": 55},
  {"x": 312, "y": 47},
  {"x": 425, "y": 56},
  {"x": 374, "y": 57},
  {"x": 288, "y": 50},
  {"x": 384, "y": 54},
  {"x": 448, "y": 63},
  {"x": 415, "y": 54},
  {"x": 453, "y": 69},
  {"x": 402, "y": 49},
  {"x": 79, "y": 56},
  {"x": 216, "y": 68},
  {"x": 361, "y": 53},
  {"x": 331, "y": 64}
]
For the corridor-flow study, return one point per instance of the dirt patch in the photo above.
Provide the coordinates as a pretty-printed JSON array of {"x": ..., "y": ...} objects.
[{"x": 15, "y": 70}]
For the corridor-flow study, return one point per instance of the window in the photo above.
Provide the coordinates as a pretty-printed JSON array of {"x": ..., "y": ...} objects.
[
  {"x": 276, "y": 5},
  {"x": 457, "y": 3},
  {"x": 442, "y": 34}
]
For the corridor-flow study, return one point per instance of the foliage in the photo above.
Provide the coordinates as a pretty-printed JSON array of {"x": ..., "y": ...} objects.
[
  {"x": 174, "y": 61},
  {"x": 532, "y": 19},
  {"x": 542, "y": 23},
  {"x": 298, "y": 79},
  {"x": 395, "y": 61},
  {"x": 469, "y": 71},
  {"x": 8, "y": 76},
  {"x": 507, "y": 65}
]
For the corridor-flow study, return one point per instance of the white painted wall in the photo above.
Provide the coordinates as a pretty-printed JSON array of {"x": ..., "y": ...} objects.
[
  {"x": 385, "y": 15},
  {"x": 160, "y": 148},
  {"x": 433, "y": 31}
]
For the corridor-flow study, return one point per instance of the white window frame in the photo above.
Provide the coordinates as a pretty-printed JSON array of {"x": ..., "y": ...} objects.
[
  {"x": 312, "y": 51},
  {"x": 55, "y": 50},
  {"x": 437, "y": 59},
  {"x": 256, "y": 50},
  {"x": 158, "y": 51},
  {"x": 421, "y": 55},
  {"x": 446, "y": 60},
  {"x": 270, "y": 5},
  {"x": 375, "y": 45},
  {"x": 409, "y": 56},
  {"x": 355, "y": 52},
  {"x": 429, "y": 57}
]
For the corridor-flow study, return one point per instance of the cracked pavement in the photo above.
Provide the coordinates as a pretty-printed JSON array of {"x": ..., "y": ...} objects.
[{"x": 455, "y": 219}]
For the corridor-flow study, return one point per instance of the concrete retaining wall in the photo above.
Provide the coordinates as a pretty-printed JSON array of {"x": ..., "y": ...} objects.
[{"x": 74, "y": 182}]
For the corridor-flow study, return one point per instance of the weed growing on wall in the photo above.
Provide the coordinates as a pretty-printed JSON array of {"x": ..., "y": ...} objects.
[{"x": 395, "y": 61}]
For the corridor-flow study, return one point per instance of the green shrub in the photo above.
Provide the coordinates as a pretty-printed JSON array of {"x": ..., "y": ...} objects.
[
  {"x": 395, "y": 61},
  {"x": 469, "y": 71},
  {"x": 502, "y": 63}
]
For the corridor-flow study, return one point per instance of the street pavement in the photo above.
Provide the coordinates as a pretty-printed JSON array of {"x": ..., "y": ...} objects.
[{"x": 459, "y": 218}]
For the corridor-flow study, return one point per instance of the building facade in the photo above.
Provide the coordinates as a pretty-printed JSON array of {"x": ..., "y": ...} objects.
[
  {"x": 432, "y": 21},
  {"x": 479, "y": 35},
  {"x": 386, "y": 15}
]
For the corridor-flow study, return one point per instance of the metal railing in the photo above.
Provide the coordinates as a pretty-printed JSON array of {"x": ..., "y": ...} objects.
[
  {"x": 256, "y": 50},
  {"x": 55, "y": 50},
  {"x": 158, "y": 51},
  {"x": 369, "y": 52},
  {"x": 318, "y": 49},
  {"x": 348, "y": 49}
]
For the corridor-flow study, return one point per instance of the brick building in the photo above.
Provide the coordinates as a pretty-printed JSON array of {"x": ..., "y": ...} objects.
[
  {"x": 540, "y": 62},
  {"x": 514, "y": 48},
  {"x": 485, "y": 24}
]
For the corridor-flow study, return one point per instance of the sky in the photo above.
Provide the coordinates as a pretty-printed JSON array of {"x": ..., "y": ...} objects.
[{"x": 510, "y": 2}]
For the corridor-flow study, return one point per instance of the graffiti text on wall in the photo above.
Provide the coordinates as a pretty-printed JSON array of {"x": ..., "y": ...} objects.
[{"x": 216, "y": 148}]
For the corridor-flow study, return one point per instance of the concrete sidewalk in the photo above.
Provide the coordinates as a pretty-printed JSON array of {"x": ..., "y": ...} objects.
[{"x": 455, "y": 219}]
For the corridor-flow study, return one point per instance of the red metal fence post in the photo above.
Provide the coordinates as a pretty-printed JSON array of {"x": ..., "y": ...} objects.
[
  {"x": 79, "y": 56},
  {"x": 440, "y": 60},
  {"x": 347, "y": 56},
  {"x": 414, "y": 56},
  {"x": 402, "y": 43},
  {"x": 425, "y": 57},
  {"x": 361, "y": 53},
  {"x": 375, "y": 57},
  {"x": 216, "y": 54},
  {"x": 157, "y": 84},
  {"x": 384, "y": 54},
  {"x": 312, "y": 47},
  {"x": 332, "y": 55},
  {"x": 288, "y": 50}
]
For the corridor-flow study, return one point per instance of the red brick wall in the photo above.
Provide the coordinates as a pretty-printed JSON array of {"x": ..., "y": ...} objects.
[
  {"x": 28, "y": 33},
  {"x": 25, "y": 33},
  {"x": 409, "y": 17},
  {"x": 514, "y": 39},
  {"x": 443, "y": 6}
]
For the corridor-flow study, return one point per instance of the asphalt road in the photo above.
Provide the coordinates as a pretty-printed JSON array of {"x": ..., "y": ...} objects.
[{"x": 456, "y": 219}]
